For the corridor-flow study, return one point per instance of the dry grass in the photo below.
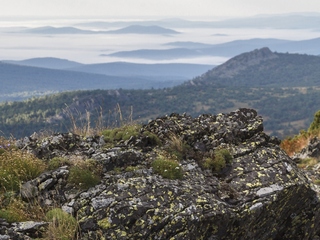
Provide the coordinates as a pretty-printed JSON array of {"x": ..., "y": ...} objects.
[
  {"x": 13, "y": 209},
  {"x": 62, "y": 225},
  {"x": 177, "y": 147},
  {"x": 307, "y": 163},
  {"x": 81, "y": 123},
  {"x": 295, "y": 144},
  {"x": 17, "y": 166}
]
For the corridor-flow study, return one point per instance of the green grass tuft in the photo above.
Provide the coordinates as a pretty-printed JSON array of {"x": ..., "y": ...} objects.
[
  {"x": 122, "y": 133},
  {"x": 219, "y": 160},
  {"x": 83, "y": 178},
  {"x": 57, "y": 162},
  {"x": 167, "y": 168}
]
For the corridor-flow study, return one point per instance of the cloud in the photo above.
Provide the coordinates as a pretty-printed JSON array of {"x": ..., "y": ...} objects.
[{"x": 140, "y": 8}]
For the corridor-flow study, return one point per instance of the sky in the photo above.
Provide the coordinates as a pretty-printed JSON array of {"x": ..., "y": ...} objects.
[{"x": 152, "y": 8}]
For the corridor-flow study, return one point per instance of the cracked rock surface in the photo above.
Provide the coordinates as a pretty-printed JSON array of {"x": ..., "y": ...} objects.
[{"x": 261, "y": 194}]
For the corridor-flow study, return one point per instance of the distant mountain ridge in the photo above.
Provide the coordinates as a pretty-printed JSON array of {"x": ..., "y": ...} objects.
[
  {"x": 57, "y": 30},
  {"x": 132, "y": 29},
  {"x": 262, "y": 67},
  {"x": 20, "y": 82},
  {"x": 278, "y": 21},
  {"x": 239, "y": 63},
  {"x": 46, "y": 62},
  {"x": 283, "y": 87},
  {"x": 186, "y": 70},
  {"x": 180, "y": 70},
  {"x": 139, "y": 29},
  {"x": 228, "y": 49},
  {"x": 39, "y": 76}
]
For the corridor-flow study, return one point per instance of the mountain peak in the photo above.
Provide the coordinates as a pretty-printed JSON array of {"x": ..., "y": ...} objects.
[{"x": 238, "y": 63}]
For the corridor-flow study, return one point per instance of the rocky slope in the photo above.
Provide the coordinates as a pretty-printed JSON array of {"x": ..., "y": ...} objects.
[{"x": 260, "y": 194}]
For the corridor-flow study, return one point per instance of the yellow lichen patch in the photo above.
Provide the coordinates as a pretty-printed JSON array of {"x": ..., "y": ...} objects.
[
  {"x": 239, "y": 169},
  {"x": 254, "y": 184},
  {"x": 201, "y": 199},
  {"x": 152, "y": 197},
  {"x": 105, "y": 223},
  {"x": 140, "y": 222},
  {"x": 123, "y": 234},
  {"x": 260, "y": 174}
]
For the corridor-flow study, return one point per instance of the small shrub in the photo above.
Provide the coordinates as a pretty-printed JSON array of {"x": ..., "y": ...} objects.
[
  {"x": 315, "y": 125},
  {"x": 122, "y": 133},
  {"x": 154, "y": 139},
  {"x": 167, "y": 168},
  {"x": 219, "y": 159},
  {"x": 62, "y": 225},
  {"x": 17, "y": 166},
  {"x": 57, "y": 162},
  {"x": 83, "y": 178},
  {"x": 131, "y": 168},
  {"x": 117, "y": 170}
]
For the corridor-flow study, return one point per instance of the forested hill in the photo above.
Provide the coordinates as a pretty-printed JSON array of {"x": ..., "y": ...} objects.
[
  {"x": 262, "y": 67},
  {"x": 283, "y": 88}
]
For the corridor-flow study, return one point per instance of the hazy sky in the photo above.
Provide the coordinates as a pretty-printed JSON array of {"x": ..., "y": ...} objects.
[{"x": 153, "y": 8}]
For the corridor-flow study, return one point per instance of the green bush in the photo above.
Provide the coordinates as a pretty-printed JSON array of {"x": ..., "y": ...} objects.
[
  {"x": 62, "y": 225},
  {"x": 167, "y": 168},
  {"x": 315, "y": 125},
  {"x": 57, "y": 162},
  {"x": 121, "y": 133},
  {"x": 154, "y": 139},
  {"x": 131, "y": 168},
  {"x": 83, "y": 178},
  {"x": 219, "y": 160},
  {"x": 17, "y": 166}
]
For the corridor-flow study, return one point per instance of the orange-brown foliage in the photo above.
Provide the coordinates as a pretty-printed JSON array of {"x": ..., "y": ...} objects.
[{"x": 295, "y": 144}]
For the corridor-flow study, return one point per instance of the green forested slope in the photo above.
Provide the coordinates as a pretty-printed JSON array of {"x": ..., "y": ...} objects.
[{"x": 287, "y": 103}]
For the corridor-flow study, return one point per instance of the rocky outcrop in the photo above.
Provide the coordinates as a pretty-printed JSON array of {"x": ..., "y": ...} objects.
[{"x": 261, "y": 194}]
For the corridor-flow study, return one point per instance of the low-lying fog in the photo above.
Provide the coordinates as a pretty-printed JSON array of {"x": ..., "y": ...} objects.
[{"x": 88, "y": 48}]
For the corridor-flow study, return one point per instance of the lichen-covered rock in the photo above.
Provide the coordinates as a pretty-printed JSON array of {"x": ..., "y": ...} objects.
[{"x": 260, "y": 194}]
